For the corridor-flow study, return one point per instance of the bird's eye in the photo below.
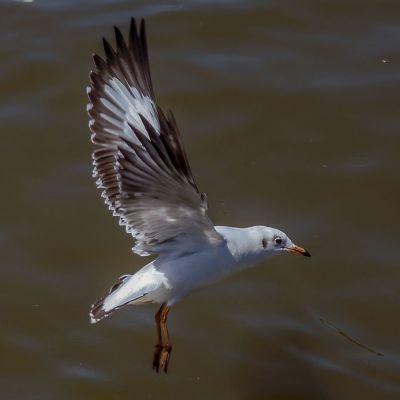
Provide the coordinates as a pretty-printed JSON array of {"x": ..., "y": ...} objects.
[
  {"x": 278, "y": 240},
  {"x": 264, "y": 243}
]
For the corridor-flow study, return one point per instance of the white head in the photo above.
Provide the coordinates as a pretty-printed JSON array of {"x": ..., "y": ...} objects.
[{"x": 271, "y": 241}]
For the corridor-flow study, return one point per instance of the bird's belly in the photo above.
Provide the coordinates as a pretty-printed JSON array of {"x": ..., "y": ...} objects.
[{"x": 193, "y": 271}]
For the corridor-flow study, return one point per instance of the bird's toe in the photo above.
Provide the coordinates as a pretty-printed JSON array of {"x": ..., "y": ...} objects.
[
  {"x": 157, "y": 357},
  {"x": 165, "y": 357}
]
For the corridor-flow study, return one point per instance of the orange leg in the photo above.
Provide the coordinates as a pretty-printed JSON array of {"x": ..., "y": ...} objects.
[
  {"x": 162, "y": 352},
  {"x": 159, "y": 344}
]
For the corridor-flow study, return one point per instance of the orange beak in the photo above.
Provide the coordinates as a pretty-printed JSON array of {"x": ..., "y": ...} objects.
[{"x": 299, "y": 250}]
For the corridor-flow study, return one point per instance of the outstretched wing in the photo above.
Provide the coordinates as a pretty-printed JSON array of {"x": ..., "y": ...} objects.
[{"x": 140, "y": 162}]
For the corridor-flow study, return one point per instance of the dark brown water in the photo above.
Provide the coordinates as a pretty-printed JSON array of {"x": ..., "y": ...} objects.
[{"x": 290, "y": 116}]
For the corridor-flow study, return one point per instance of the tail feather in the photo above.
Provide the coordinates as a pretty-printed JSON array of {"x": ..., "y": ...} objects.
[
  {"x": 129, "y": 289},
  {"x": 98, "y": 310}
]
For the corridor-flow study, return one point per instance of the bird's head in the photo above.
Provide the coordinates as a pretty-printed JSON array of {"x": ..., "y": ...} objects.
[{"x": 274, "y": 241}]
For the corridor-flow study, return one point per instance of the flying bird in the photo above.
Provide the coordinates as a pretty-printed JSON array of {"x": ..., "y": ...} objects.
[{"x": 143, "y": 172}]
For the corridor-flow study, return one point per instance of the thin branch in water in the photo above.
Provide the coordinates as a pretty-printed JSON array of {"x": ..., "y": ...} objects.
[{"x": 345, "y": 335}]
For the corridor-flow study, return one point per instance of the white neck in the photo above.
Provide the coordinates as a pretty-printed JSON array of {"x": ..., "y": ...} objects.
[{"x": 244, "y": 244}]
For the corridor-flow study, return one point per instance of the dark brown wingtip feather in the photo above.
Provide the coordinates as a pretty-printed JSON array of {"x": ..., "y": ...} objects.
[
  {"x": 108, "y": 50},
  {"x": 133, "y": 35},
  {"x": 145, "y": 56},
  {"x": 142, "y": 31},
  {"x": 120, "y": 41},
  {"x": 138, "y": 46},
  {"x": 99, "y": 62}
]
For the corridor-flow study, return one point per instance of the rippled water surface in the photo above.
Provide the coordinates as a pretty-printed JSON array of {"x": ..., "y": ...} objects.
[{"x": 290, "y": 116}]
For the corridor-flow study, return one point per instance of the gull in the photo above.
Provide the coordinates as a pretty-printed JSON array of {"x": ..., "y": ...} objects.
[{"x": 141, "y": 167}]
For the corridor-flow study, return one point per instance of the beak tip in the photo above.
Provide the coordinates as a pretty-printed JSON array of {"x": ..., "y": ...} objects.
[
  {"x": 306, "y": 253},
  {"x": 299, "y": 250}
]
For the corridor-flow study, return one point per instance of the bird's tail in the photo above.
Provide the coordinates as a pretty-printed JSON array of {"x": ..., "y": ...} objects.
[
  {"x": 97, "y": 311},
  {"x": 129, "y": 289},
  {"x": 115, "y": 299}
]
